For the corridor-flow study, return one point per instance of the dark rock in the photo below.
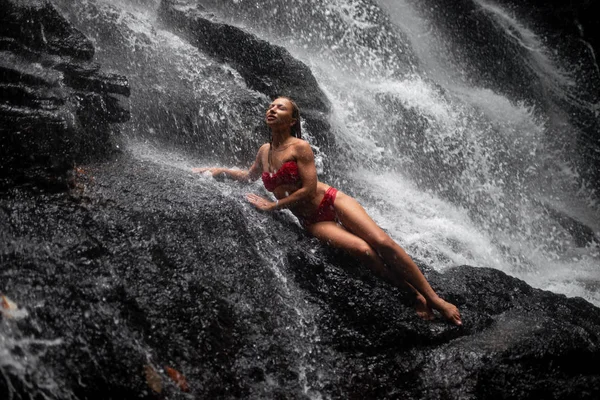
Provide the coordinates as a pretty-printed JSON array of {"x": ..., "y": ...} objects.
[
  {"x": 38, "y": 26},
  {"x": 56, "y": 107},
  {"x": 325, "y": 28},
  {"x": 87, "y": 78},
  {"x": 582, "y": 234},
  {"x": 142, "y": 265},
  {"x": 267, "y": 68}
]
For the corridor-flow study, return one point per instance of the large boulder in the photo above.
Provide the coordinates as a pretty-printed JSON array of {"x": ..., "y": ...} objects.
[
  {"x": 142, "y": 267},
  {"x": 56, "y": 106}
]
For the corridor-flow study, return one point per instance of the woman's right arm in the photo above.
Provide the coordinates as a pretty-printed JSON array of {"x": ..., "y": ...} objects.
[
  {"x": 235, "y": 174},
  {"x": 249, "y": 175}
]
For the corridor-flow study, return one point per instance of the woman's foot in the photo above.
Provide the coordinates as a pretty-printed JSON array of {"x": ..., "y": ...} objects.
[
  {"x": 423, "y": 310},
  {"x": 448, "y": 311}
]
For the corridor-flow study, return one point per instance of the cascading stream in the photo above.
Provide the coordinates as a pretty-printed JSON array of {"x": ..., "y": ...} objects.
[
  {"x": 492, "y": 156},
  {"x": 300, "y": 313},
  {"x": 490, "y": 160},
  {"x": 136, "y": 278}
]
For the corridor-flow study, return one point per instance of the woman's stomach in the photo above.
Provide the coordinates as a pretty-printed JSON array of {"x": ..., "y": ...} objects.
[{"x": 306, "y": 207}]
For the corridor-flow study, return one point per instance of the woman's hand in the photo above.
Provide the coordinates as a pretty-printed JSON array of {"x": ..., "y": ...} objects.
[{"x": 260, "y": 202}]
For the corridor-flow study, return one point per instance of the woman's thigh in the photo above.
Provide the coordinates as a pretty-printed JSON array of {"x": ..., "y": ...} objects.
[
  {"x": 354, "y": 217},
  {"x": 336, "y": 236}
]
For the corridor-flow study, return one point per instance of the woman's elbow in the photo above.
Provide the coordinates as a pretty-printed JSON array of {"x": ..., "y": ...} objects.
[
  {"x": 252, "y": 177},
  {"x": 310, "y": 191}
]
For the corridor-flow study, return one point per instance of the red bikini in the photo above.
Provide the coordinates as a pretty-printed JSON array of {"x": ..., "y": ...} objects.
[
  {"x": 325, "y": 212},
  {"x": 288, "y": 174}
]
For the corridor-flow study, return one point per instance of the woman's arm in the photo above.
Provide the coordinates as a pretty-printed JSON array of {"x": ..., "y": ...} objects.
[
  {"x": 235, "y": 174},
  {"x": 249, "y": 175},
  {"x": 308, "y": 175}
]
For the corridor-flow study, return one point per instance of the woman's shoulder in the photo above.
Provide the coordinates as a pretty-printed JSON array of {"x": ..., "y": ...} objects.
[
  {"x": 300, "y": 143},
  {"x": 301, "y": 146},
  {"x": 265, "y": 147}
]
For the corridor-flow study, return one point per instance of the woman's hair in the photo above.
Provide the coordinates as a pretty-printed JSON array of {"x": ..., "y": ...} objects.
[{"x": 296, "y": 128}]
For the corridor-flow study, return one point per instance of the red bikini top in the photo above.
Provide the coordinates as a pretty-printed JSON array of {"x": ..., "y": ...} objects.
[{"x": 287, "y": 174}]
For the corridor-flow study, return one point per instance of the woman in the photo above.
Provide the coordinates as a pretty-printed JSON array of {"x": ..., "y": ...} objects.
[{"x": 287, "y": 168}]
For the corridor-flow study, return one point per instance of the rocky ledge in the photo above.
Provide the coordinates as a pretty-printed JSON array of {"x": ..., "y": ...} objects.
[
  {"x": 146, "y": 282},
  {"x": 56, "y": 105}
]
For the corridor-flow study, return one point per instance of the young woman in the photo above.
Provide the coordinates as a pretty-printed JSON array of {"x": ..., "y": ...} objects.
[{"x": 287, "y": 168}]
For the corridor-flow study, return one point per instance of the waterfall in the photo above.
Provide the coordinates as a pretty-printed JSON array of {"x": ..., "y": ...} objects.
[
  {"x": 464, "y": 129},
  {"x": 458, "y": 173}
]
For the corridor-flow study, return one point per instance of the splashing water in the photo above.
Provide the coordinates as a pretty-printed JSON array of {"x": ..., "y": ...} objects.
[
  {"x": 457, "y": 173},
  {"x": 554, "y": 77},
  {"x": 21, "y": 360}
]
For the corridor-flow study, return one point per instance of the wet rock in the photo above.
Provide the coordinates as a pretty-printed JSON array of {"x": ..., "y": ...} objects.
[
  {"x": 344, "y": 31},
  {"x": 57, "y": 107},
  {"x": 582, "y": 234},
  {"x": 516, "y": 341},
  {"x": 37, "y": 26},
  {"x": 144, "y": 265}
]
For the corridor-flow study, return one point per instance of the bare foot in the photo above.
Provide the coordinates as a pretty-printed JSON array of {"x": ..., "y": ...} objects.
[
  {"x": 448, "y": 311},
  {"x": 423, "y": 310}
]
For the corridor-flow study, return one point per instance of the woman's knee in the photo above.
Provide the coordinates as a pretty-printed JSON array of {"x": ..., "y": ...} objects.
[
  {"x": 365, "y": 252},
  {"x": 384, "y": 244}
]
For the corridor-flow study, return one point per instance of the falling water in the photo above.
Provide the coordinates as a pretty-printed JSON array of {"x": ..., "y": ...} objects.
[{"x": 457, "y": 173}]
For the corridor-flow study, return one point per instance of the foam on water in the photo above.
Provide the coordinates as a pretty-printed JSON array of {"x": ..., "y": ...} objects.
[{"x": 430, "y": 228}]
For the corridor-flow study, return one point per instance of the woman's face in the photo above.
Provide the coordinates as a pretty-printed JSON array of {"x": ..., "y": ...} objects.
[{"x": 279, "y": 113}]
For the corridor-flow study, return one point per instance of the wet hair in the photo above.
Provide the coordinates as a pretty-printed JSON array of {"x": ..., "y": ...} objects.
[{"x": 296, "y": 128}]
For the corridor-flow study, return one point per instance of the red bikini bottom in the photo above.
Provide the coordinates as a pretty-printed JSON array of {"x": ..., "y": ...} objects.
[{"x": 325, "y": 212}]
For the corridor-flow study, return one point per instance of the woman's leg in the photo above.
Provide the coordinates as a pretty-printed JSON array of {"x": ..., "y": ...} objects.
[
  {"x": 354, "y": 217},
  {"x": 338, "y": 237}
]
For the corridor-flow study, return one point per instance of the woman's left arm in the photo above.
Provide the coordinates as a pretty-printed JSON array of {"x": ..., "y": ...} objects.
[{"x": 308, "y": 176}]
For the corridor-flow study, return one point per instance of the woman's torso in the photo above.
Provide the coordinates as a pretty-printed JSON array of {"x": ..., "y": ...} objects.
[{"x": 279, "y": 157}]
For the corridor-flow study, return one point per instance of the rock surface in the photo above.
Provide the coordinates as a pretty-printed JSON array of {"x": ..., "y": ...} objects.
[
  {"x": 56, "y": 106},
  {"x": 142, "y": 267}
]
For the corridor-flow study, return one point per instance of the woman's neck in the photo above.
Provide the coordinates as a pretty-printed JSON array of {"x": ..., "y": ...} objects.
[{"x": 279, "y": 138}]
